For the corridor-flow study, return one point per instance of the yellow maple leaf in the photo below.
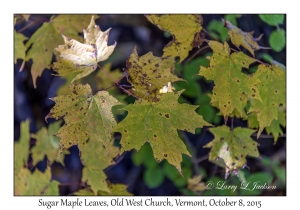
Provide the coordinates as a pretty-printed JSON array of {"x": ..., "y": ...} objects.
[
  {"x": 195, "y": 184},
  {"x": 246, "y": 39}
]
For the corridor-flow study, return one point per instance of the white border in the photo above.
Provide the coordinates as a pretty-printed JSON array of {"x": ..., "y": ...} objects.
[{"x": 7, "y": 201}]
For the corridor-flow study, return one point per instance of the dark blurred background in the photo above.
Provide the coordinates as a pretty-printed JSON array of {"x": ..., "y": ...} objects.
[{"x": 136, "y": 170}]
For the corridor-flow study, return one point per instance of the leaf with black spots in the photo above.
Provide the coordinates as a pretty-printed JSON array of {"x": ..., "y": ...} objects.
[
  {"x": 157, "y": 123},
  {"x": 231, "y": 84},
  {"x": 185, "y": 30},
  {"x": 149, "y": 74},
  {"x": 233, "y": 146},
  {"x": 272, "y": 90},
  {"x": 86, "y": 116}
]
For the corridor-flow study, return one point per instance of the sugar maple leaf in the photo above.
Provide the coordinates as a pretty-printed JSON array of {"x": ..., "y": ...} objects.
[
  {"x": 115, "y": 190},
  {"x": 37, "y": 183},
  {"x": 185, "y": 30},
  {"x": 19, "y": 47},
  {"x": 232, "y": 146},
  {"x": 246, "y": 39},
  {"x": 21, "y": 147},
  {"x": 148, "y": 74},
  {"x": 231, "y": 84},
  {"x": 86, "y": 116},
  {"x": 157, "y": 123},
  {"x": 83, "y": 57},
  {"x": 273, "y": 93},
  {"x": 46, "y": 143},
  {"x": 95, "y": 159},
  {"x": 274, "y": 128},
  {"x": 195, "y": 184},
  {"x": 48, "y": 36}
]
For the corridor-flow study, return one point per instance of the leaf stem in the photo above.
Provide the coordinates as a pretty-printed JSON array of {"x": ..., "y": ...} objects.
[
  {"x": 30, "y": 24},
  {"x": 231, "y": 127}
]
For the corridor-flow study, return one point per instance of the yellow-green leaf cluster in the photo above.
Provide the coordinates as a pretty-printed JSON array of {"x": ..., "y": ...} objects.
[
  {"x": 36, "y": 183},
  {"x": 184, "y": 29},
  {"x": 115, "y": 190},
  {"x": 231, "y": 84},
  {"x": 21, "y": 147},
  {"x": 233, "y": 146},
  {"x": 95, "y": 159},
  {"x": 157, "y": 123},
  {"x": 273, "y": 94}
]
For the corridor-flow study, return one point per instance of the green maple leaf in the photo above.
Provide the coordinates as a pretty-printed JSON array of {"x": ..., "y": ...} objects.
[
  {"x": 148, "y": 74},
  {"x": 21, "y": 148},
  {"x": 157, "y": 123},
  {"x": 48, "y": 36},
  {"x": 95, "y": 159},
  {"x": 274, "y": 128},
  {"x": 37, "y": 183},
  {"x": 233, "y": 146},
  {"x": 82, "y": 58},
  {"x": 115, "y": 190},
  {"x": 241, "y": 38},
  {"x": 184, "y": 28},
  {"x": 272, "y": 90},
  {"x": 46, "y": 143},
  {"x": 231, "y": 84},
  {"x": 19, "y": 47},
  {"x": 86, "y": 116}
]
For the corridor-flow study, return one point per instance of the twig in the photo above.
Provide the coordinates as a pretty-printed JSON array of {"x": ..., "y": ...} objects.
[
  {"x": 259, "y": 61},
  {"x": 194, "y": 55},
  {"x": 194, "y": 160},
  {"x": 198, "y": 160},
  {"x": 234, "y": 50},
  {"x": 116, "y": 82},
  {"x": 265, "y": 136},
  {"x": 210, "y": 34},
  {"x": 30, "y": 24}
]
